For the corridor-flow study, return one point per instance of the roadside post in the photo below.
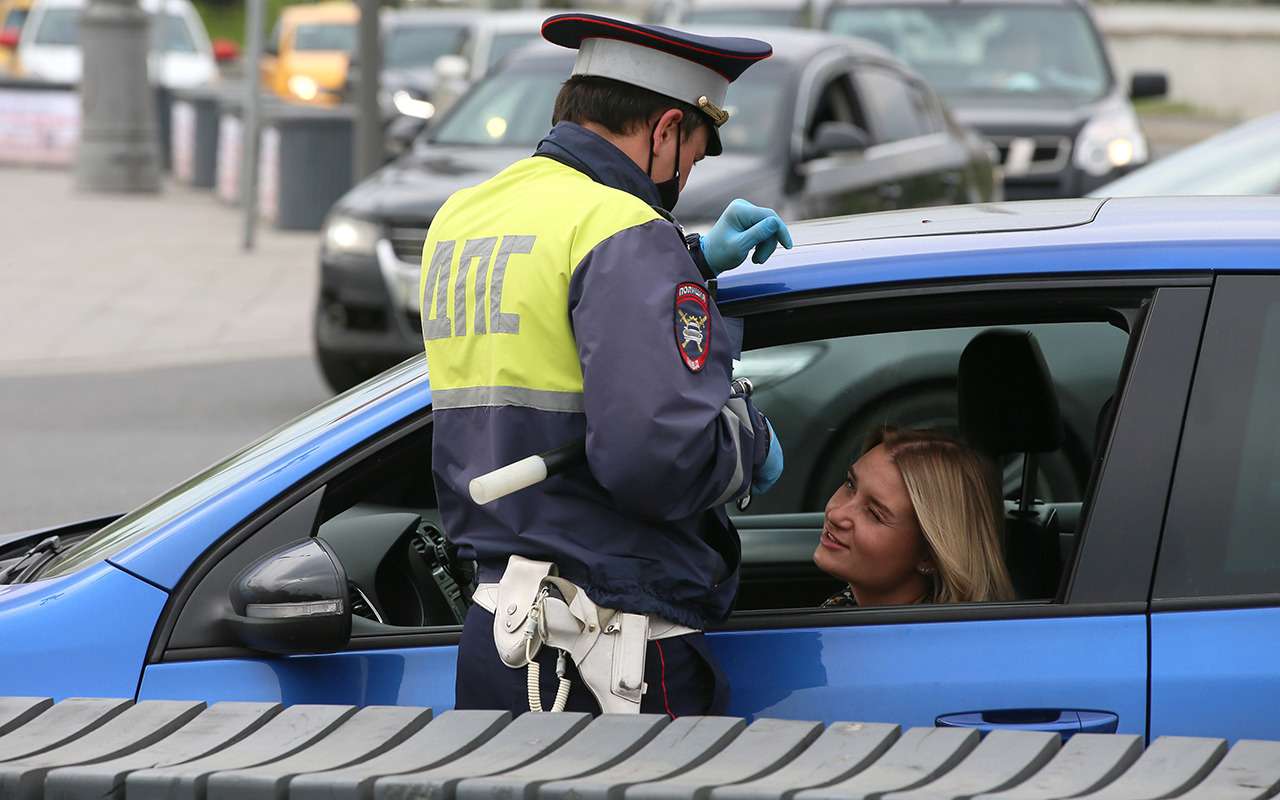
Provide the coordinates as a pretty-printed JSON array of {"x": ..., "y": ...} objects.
[
  {"x": 118, "y": 150},
  {"x": 252, "y": 114},
  {"x": 368, "y": 139}
]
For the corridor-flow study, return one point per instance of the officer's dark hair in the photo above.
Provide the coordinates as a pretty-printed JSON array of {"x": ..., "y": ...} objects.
[{"x": 620, "y": 107}]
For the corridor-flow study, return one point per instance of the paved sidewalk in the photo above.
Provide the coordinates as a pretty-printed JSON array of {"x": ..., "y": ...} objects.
[{"x": 109, "y": 282}]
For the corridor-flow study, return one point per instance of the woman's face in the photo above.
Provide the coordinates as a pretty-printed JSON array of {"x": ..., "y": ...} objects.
[{"x": 870, "y": 536}]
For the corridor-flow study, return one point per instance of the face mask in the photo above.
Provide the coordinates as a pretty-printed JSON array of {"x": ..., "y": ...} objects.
[{"x": 668, "y": 190}]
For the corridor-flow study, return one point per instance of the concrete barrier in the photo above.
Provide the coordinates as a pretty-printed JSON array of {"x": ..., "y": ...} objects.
[
  {"x": 39, "y": 122},
  {"x": 92, "y": 749}
]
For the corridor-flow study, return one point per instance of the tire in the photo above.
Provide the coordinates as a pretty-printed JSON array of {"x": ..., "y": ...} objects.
[{"x": 931, "y": 407}]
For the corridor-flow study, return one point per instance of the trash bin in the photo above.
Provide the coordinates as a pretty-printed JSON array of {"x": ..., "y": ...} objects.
[
  {"x": 194, "y": 134},
  {"x": 304, "y": 164},
  {"x": 230, "y": 150},
  {"x": 164, "y": 104}
]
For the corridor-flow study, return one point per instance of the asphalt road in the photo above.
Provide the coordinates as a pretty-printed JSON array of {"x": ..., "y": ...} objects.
[
  {"x": 91, "y": 443},
  {"x": 138, "y": 343}
]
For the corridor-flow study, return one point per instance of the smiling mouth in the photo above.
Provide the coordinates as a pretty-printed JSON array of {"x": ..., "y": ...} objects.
[{"x": 831, "y": 542}]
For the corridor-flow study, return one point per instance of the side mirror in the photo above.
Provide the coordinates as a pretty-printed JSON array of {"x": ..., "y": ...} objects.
[
  {"x": 451, "y": 67},
  {"x": 837, "y": 137},
  {"x": 292, "y": 600},
  {"x": 9, "y": 38},
  {"x": 1148, "y": 84},
  {"x": 225, "y": 50},
  {"x": 401, "y": 133}
]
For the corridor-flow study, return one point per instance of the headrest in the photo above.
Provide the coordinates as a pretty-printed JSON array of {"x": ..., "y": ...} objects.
[{"x": 1006, "y": 396}]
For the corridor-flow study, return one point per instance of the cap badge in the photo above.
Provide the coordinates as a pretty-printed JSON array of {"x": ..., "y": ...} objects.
[{"x": 718, "y": 115}]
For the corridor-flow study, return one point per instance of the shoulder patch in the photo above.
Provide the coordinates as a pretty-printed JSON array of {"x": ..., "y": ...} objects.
[{"x": 692, "y": 325}]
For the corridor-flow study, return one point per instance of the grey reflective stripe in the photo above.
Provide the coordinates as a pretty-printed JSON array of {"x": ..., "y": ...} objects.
[
  {"x": 735, "y": 412},
  {"x": 437, "y": 326},
  {"x": 478, "y": 396},
  {"x": 501, "y": 321},
  {"x": 473, "y": 249}
]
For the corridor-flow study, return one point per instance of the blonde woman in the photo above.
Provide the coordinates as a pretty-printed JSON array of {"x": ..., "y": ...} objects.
[{"x": 917, "y": 520}]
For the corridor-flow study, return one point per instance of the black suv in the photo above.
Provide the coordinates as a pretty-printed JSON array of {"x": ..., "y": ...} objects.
[
  {"x": 827, "y": 126},
  {"x": 1032, "y": 75}
]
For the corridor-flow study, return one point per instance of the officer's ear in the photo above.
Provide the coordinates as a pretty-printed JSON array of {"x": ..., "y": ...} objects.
[{"x": 667, "y": 126}]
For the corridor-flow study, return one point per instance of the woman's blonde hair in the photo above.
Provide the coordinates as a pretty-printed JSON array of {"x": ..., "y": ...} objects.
[{"x": 960, "y": 509}]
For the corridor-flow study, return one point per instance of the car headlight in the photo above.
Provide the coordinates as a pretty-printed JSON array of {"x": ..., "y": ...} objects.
[
  {"x": 1110, "y": 141},
  {"x": 772, "y": 365},
  {"x": 303, "y": 88},
  {"x": 412, "y": 106},
  {"x": 344, "y": 235}
]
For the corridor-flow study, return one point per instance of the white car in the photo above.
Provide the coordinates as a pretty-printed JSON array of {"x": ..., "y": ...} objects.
[{"x": 180, "y": 57}]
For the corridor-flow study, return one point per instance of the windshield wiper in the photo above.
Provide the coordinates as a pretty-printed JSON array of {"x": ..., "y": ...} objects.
[{"x": 31, "y": 562}]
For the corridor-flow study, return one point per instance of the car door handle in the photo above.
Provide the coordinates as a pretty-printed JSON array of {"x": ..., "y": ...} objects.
[{"x": 1067, "y": 721}]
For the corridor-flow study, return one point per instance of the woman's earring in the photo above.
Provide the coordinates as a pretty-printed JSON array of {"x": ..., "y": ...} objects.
[{"x": 926, "y": 569}]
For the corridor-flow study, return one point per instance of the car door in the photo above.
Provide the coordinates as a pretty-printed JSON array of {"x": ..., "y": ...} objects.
[
  {"x": 1216, "y": 598},
  {"x": 826, "y": 183},
  {"x": 1076, "y": 662},
  {"x": 372, "y": 508},
  {"x": 1063, "y": 663},
  {"x": 921, "y": 161}
]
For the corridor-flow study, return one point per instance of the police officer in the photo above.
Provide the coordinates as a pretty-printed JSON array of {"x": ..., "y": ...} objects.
[{"x": 561, "y": 301}]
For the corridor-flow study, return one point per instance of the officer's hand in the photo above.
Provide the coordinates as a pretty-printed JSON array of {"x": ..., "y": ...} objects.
[
  {"x": 741, "y": 228},
  {"x": 767, "y": 474}
]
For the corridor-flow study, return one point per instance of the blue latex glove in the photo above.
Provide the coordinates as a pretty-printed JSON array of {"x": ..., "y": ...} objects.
[
  {"x": 767, "y": 474},
  {"x": 741, "y": 228}
]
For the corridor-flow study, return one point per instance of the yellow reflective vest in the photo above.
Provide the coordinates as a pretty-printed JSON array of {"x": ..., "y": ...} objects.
[{"x": 558, "y": 306}]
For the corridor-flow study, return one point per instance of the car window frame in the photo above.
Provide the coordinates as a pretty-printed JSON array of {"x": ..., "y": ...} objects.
[
  {"x": 1186, "y": 518},
  {"x": 1158, "y": 363},
  {"x": 814, "y": 77},
  {"x": 946, "y": 297},
  {"x": 243, "y": 535}
]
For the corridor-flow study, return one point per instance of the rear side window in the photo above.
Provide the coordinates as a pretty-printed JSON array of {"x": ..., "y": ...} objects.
[
  {"x": 1222, "y": 535},
  {"x": 898, "y": 109}
]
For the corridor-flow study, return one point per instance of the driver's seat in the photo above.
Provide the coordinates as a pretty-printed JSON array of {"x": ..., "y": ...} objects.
[{"x": 1007, "y": 405}]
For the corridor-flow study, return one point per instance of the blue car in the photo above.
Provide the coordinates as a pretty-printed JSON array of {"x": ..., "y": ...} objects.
[{"x": 309, "y": 566}]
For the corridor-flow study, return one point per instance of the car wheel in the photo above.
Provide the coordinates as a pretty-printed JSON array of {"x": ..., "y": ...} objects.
[{"x": 932, "y": 408}]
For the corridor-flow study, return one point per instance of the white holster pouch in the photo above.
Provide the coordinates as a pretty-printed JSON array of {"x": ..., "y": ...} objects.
[{"x": 533, "y": 606}]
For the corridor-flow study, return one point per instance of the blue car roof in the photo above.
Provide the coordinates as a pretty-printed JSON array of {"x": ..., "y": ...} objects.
[
  {"x": 1017, "y": 239},
  {"x": 966, "y": 243}
]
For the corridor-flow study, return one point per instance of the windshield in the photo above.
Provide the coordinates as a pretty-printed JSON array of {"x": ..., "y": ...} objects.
[
  {"x": 331, "y": 36},
  {"x": 504, "y": 43},
  {"x": 421, "y": 45},
  {"x": 170, "y": 34},
  {"x": 966, "y": 49},
  {"x": 59, "y": 26},
  {"x": 512, "y": 108},
  {"x": 233, "y": 470},
  {"x": 1244, "y": 161},
  {"x": 769, "y": 17},
  {"x": 14, "y": 19}
]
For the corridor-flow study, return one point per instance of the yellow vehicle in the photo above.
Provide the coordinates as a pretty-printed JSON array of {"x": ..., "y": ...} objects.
[
  {"x": 13, "y": 13},
  {"x": 306, "y": 59}
]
